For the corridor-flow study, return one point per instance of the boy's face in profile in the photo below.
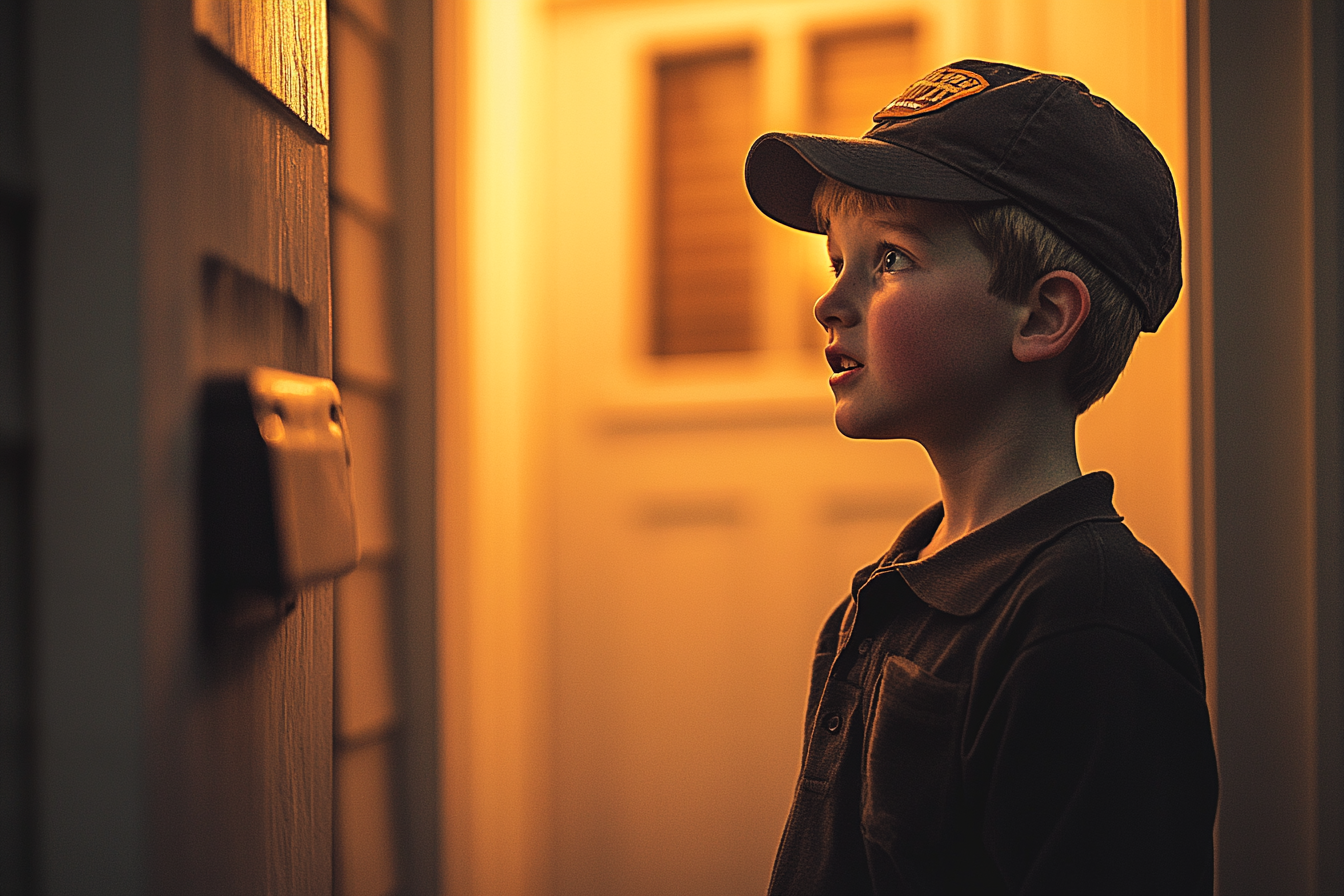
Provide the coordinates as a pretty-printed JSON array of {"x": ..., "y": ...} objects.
[{"x": 918, "y": 346}]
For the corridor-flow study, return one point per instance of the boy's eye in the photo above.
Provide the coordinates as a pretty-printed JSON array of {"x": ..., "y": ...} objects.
[
  {"x": 894, "y": 260},
  {"x": 836, "y": 266}
]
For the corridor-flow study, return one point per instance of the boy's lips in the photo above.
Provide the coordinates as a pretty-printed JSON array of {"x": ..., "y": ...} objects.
[{"x": 843, "y": 367}]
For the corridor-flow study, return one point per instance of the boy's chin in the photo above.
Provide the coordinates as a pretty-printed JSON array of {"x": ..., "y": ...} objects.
[{"x": 855, "y": 426}]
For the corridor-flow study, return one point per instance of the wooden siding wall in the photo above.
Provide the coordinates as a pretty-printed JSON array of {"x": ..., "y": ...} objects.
[
  {"x": 16, "y": 767},
  {"x": 168, "y": 761}
]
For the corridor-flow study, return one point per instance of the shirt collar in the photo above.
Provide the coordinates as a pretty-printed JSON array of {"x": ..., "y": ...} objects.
[{"x": 963, "y": 576}]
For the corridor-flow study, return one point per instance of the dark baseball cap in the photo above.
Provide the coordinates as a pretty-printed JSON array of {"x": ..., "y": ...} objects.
[{"x": 977, "y": 131}]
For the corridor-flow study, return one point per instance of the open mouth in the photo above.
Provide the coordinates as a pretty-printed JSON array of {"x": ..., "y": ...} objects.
[{"x": 841, "y": 363}]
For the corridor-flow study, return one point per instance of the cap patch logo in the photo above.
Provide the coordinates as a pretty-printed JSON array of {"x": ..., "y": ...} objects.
[{"x": 933, "y": 91}]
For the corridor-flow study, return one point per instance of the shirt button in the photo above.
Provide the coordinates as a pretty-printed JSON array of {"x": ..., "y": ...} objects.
[
  {"x": 864, "y": 645},
  {"x": 832, "y": 723}
]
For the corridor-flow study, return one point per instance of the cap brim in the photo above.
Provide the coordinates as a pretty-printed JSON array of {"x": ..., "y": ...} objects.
[{"x": 783, "y": 171}]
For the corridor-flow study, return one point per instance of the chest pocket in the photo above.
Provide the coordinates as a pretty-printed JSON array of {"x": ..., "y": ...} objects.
[{"x": 911, "y": 761}]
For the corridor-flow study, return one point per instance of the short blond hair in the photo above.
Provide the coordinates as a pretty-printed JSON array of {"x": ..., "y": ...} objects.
[{"x": 1022, "y": 249}]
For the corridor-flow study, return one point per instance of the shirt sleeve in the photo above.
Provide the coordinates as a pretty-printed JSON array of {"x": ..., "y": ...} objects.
[{"x": 1097, "y": 770}]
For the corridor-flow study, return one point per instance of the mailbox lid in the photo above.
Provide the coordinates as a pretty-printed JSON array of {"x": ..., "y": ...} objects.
[{"x": 302, "y": 423}]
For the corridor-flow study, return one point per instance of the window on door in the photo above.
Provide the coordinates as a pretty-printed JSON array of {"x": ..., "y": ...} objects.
[
  {"x": 704, "y": 260},
  {"x": 854, "y": 73},
  {"x": 707, "y": 259}
]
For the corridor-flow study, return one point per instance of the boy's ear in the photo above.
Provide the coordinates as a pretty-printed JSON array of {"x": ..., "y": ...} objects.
[{"x": 1056, "y": 307}]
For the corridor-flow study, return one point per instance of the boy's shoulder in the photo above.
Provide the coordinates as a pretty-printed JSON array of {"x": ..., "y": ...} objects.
[
  {"x": 1064, "y": 563},
  {"x": 1098, "y": 577}
]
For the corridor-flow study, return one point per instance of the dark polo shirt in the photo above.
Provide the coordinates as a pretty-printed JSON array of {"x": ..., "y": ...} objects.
[{"x": 1022, "y": 712}]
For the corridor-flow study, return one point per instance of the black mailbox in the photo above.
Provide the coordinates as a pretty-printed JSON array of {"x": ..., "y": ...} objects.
[{"x": 276, "y": 503}]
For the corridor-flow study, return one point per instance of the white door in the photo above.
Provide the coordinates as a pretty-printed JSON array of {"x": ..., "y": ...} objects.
[{"x": 701, "y": 512}]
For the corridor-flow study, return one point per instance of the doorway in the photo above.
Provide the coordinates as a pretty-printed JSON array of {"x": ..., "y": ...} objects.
[{"x": 659, "y": 523}]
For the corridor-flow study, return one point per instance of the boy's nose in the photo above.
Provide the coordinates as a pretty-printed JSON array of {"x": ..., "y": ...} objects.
[{"x": 834, "y": 309}]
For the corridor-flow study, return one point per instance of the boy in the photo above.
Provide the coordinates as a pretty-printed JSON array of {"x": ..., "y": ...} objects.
[{"x": 1011, "y": 700}]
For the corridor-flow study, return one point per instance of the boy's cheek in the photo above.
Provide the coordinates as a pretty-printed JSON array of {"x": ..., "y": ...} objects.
[{"x": 923, "y": 350}]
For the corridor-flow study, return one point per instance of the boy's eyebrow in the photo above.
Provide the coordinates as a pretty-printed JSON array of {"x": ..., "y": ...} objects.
[
  {"x": 892, "y": 224},
  {"x": 903, "y": 226}
]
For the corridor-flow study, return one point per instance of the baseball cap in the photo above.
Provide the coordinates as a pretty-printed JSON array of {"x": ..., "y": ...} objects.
[{"x": 976, "y": 131}]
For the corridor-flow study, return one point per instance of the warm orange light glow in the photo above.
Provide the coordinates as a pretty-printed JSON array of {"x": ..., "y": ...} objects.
[{"x": 655, "y": 540}]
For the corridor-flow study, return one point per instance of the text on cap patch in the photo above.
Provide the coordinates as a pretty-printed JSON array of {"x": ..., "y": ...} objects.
[{"x": 933, "y": 91}]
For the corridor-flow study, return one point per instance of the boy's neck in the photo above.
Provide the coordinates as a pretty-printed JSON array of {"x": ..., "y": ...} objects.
[{"x": 982, "y": 480}]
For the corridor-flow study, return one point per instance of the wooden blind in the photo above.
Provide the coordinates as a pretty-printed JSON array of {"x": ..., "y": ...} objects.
[
  {"x": 703, "y": 253},
  {"x": 858, "y": 71}
]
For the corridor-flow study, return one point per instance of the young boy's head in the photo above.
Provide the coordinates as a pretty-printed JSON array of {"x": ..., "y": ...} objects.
[{"x": 1031, "y": 170}]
